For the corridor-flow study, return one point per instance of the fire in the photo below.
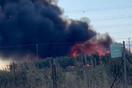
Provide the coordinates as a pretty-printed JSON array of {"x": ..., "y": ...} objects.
[
  {"x": 97, "y": 44},
  {"x": 89, "y": 48},
  {"x": 100, "y": 52},
  {"x": 74, "y": 54},
  {"x": 88, "y": 65}
]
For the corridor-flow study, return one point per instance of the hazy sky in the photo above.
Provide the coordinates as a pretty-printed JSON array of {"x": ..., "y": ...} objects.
[{"x": 112, "y": 16}]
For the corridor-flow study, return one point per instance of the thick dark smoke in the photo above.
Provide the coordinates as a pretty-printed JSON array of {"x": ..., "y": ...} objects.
[{"x": 30, "y": 22}]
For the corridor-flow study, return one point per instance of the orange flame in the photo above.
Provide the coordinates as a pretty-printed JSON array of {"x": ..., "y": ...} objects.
[
  {"x": 74, "y": 54},
  {"x": 88, "y": 65},
  {"x": 89, "y": 48},
  {"x": 100, "y": 52}
]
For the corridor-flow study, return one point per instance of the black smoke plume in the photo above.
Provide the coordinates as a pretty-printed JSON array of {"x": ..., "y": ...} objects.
[{"x": 30, "y": 22}]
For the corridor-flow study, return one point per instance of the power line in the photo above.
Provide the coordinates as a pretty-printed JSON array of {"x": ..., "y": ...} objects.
[
  {"x": 112, "y": 18},
  {"x": 16, "y": 46},
  {"x": 104, "y": 18},
  {"x": 55, "y": 43},
  {"x": 94, "y": 10},
  {"x": 121, "y": 38},
  {"x": 114, "y": 25}
]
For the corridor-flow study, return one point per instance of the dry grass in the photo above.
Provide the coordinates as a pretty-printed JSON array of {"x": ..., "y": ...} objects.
[{"x": 27, "y": 75}]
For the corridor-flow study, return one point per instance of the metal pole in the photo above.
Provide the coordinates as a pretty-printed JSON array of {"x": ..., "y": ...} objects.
[
  {"x": 37, "y": 50},
  {"x": 86, "y": 70},
  {"x": 124, "y": 59},
  {"x": 13, "y": 64},
  {"x": 129, "y": 45},
  {"x": 54, "y": 74}
]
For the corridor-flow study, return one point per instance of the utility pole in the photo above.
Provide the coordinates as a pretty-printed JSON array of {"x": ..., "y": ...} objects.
[
  {"x": 54, "y": 74},
  {"x": 86, "y": 70},
  {"x": 125, "y": 71},
  {"x": 37, "y": 50},
  {"x": 14, "y": 72},
  {"x": 129, "y": 41}
]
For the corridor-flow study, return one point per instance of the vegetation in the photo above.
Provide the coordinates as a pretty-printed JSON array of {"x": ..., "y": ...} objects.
[{"x": 70, "y": 73}]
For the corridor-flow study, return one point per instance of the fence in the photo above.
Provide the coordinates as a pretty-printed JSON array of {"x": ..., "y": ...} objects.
[{"x": 67, "y": 72}]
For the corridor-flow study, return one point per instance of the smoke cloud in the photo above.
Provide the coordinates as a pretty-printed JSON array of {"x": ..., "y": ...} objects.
[{"x": 30, "y": 22}]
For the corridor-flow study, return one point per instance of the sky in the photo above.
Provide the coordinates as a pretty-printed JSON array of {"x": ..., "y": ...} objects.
[{"x": 112, "y": 16}]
